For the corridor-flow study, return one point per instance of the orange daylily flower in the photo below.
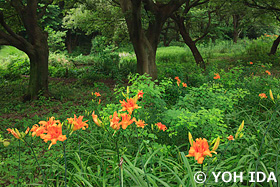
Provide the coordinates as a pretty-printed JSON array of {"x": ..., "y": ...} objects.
[
  {"x": 230, "y": 138},
  {"x": 140, "y": 94},
  {"x": 140, "y": 123},
  {"x": 49, "y": 123},
  {"x": 96, "y": 120},
  {"x": 268, "y": 72},
  {"x": 114, "y": 122},
  {"x": 38, "y": 130},
  {"x": 50, "y": 130},
  {"x": 78, "y": 123},
  {"x": 177, "y": 78},
  {"x": 199, "y": 150},
  {"x": 126, "y": 120},
  {"x": 178, "y": 81},
  {"x": 184, "y": 84},
  {"x": 130, "y": 105},
  {"x": 263, "y": 66},
  {"x": 97, "y": 94},
  {"x": 251, "y": 63},
  {"x": 262, "y": 95},
  {"x": 217, "y": 76},
  {"x": 54, "y": 134},
  {"x": 161, "y": 126}
]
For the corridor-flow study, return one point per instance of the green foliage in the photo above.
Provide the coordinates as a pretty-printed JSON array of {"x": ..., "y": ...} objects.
[
  {"x": 207, "y": 108},
  {"x": 210, "y": 97},
  {"x": 259, "y": 49},
  {"x": 16, "y": 68},
  {"x": 206, "y": 123},
  {"x": 56, "y": 39}
]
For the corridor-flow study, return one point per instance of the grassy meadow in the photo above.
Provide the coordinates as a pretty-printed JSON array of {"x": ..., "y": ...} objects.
[{"x": 148, "y": 145}]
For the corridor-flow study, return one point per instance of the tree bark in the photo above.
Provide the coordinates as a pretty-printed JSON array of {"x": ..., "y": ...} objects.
[
  {"x": 236, "y": 33},
  {"x": 196, "y": 54},
  {"x": 275, "y": 46},
  {"x": 145, "y": 42},
  {"x": 190, "y": 43},
  {"x": 38, "y": 81}
]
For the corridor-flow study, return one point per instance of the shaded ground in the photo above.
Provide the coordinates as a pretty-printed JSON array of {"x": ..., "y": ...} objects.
[{"x": 69, "y": 96}]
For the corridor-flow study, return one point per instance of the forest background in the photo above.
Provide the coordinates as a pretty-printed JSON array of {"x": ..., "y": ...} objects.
[{"x": 195, "y": 68}]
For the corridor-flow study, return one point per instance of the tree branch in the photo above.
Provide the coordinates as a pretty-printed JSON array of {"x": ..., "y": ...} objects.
[
  {"x": 9, "y": 30},
  {"x": 149, "y": 5},
  {"x": 254, "y": 4},
  {"x": 6, "y": 39},
  {"x": 207, "y": 28}
]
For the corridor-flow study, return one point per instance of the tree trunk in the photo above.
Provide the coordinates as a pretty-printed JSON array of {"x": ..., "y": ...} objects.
[
  {"x": 145, "y": 42},
  {"x": 146, "y": 57},
  {"x": 38, "y": 81},
  {"x": 144, "y": 47},
  {"x": 68, "y": 41},
  {"x": 196, "y": 54},
  {"x": 190, "y": 43},
  {"x": 235, "y": 28},
  {"x": 275, "y": 46}
]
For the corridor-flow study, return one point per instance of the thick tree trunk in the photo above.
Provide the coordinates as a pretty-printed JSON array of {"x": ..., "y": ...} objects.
[
  {"x": 146, "y": 59},
  {"x": 145, "y": 41},
  {"x": 38, "y": 81},
  {"x": 144, "y": 47},
  {"x": 275, "y": 46}
]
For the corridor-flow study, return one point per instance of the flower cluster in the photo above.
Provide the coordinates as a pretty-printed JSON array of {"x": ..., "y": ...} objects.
[
  {"x": 77, "y": 123},
  {"x": 179, "y": 81},
  {"x": 268, "y": 72},
  {"x": 161, "y": 126},
  {"x": 123, "y": 120},
  {"x": 49, "y": 131}
]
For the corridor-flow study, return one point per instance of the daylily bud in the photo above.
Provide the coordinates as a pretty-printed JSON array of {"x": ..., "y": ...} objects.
[
  {"x": 216, "y": 145},
  {"x": 239, "y": 129},
  {"x": 271, "y": 95},
  {"x": 190, "y": 139}
]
